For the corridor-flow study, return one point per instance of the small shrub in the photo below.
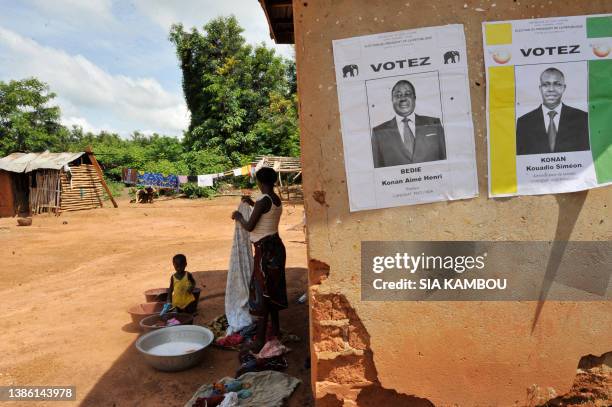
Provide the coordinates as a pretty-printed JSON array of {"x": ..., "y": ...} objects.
[
  {"x": 115, "y": 187},
  {"x": 192, "y": 190}
]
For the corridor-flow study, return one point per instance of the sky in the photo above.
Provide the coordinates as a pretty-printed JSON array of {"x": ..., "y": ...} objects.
[{"x": 109, "y": 61}]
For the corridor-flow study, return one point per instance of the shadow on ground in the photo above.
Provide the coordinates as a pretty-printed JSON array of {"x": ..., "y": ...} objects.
[{"x": 130, "y": 382}]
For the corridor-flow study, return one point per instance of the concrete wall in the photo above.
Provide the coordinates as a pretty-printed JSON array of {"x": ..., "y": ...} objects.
[{"x": 407, "y": 353}]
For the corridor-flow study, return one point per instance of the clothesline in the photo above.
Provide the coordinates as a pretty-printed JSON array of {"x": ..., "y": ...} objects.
[
  {"x": 206, "y": 180},
  {"x": 280, "y": 164}
]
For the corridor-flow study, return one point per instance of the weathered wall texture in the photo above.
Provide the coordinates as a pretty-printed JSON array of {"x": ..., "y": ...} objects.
[
  {"x": 407, "y": 353},
  {"x": 7, "y": 206}
]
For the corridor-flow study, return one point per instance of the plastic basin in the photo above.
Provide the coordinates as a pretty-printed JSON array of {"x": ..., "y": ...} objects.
[
  {"x": 141, "y": 311},
  {"x": 156, "y": 295},
  {"x": 148, "y": 324}
]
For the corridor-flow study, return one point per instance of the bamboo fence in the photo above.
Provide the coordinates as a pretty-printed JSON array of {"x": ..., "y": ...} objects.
[
  {"x": 46, "y": 196},
  {"x": 81, "y": 189}
]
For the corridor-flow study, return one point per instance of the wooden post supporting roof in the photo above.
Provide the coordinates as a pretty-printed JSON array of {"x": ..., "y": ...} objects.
[{"x": 93, "y": 160}]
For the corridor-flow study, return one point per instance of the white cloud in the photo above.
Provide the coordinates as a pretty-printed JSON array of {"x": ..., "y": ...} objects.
[
  {"x": 84, "y": 124},
  {"x": 196, "y": 13},
  {"x": 134, "y": 102},
  {"x": 77, "y": 12}
]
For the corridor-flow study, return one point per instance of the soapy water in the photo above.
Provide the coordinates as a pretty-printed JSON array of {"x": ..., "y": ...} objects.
[{"x": 175, "y": 348}]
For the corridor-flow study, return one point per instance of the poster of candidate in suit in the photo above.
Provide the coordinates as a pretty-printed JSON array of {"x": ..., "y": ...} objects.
[
  {"x": 549, "y": 82},
  {"x": 556, "y": 124},
  {"x": 410, "y": 136},
  {"x": 405, "y": 116}
]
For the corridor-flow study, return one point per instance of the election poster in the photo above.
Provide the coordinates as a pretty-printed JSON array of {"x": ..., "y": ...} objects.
[
  {"x": 549, "y": 104},
  {"x": 406, "y": 118}
]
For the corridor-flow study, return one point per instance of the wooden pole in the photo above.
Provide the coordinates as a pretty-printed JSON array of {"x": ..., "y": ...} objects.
[{"x": 93, "y": 160}]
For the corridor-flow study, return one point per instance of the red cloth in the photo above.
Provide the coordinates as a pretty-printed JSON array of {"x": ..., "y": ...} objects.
[
  {"x": 271, "y": 349},
  {"x": 231, "y": 340}
]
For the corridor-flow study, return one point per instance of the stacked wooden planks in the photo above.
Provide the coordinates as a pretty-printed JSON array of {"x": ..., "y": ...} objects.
[
  {"x": 46, "y": 196},
  {"x": 81, "y": 188},
  {"x": 284, "y": 165},
  {"x": 281, "y": 164}
]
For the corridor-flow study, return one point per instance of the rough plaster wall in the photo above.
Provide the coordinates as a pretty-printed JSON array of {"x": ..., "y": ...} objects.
[
  {"x": 7, "y": 206},
  {"x": 465, "y": 353}
]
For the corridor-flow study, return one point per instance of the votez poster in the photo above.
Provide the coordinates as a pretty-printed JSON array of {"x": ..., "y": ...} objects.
[
  {"x": 549, "y": 104},
  {"x": 406, "y": 117}
]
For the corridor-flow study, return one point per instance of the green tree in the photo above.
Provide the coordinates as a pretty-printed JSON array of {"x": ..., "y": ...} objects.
[
  {"x": 228, "y": 86},
  {"x": 28, "y": 121},
  {"x": 202, "y": 55},
  {"x": 277, "y": 130}
]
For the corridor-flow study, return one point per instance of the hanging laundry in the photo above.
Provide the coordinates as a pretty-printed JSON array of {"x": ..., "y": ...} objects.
[
  {"x": 245, "y": 169},
  {"x": 206, "y": 180},
  {"x": 183, "y": 179},
  {"x": 237, "y": 172},
  {"x": 129, "y": 176},
  {"x": 158, "y": 180}
]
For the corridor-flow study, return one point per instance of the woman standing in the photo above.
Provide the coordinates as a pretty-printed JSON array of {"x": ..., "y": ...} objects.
[{"x": 267, "y": 290}]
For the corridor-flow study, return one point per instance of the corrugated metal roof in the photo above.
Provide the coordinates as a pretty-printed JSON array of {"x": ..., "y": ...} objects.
[{"x": 26, "y": 162}]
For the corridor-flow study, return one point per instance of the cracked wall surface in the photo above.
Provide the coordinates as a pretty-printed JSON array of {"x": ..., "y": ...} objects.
[{"x": 419, "y": 353}]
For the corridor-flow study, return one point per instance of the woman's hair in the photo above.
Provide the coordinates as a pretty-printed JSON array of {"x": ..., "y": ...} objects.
[{"x": 266, "y": 176}]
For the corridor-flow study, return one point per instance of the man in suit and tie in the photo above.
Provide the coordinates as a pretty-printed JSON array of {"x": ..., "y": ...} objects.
[
  {"x": 407, "y": 138},
  {"x": 553, "y": 127}
]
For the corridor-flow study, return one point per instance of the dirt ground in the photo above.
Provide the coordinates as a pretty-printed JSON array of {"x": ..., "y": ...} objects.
[{"x": 67, "y": 282}]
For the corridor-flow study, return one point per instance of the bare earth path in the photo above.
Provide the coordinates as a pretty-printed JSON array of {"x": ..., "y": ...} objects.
[{"x": 67, "y": 282}]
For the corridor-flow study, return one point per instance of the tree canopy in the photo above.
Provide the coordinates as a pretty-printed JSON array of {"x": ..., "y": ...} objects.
[
  {"x": 27, "y": 120},
  {"x": 242, "y": 100},
  {"x": 236, "y": 93}
]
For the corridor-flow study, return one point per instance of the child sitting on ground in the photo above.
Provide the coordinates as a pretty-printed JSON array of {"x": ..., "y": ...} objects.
[{"x": 182, "y": 284}]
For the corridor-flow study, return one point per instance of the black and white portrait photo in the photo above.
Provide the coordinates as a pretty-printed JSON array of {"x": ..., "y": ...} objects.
[
  {"x": 405, "y": 116},
  {"x": 553, "y": 124},
  {"x": 411, "y": 129}
]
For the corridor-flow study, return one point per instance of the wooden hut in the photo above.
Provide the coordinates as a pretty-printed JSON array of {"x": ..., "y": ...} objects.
[
  {"x": 288, "y": 167},
  {"x": 50, "y": 182}
]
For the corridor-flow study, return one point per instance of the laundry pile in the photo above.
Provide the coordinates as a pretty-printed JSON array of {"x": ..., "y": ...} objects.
[
  {"x": 254, "y": 389},
  {"x": 232, "y": 341},
  {"x": 270, "y": 357},
  {"x": 219, "y": 326},
  {"x": 225, "y": 394}
]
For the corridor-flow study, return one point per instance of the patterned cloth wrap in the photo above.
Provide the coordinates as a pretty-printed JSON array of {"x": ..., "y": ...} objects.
[{"x": 158, "y": 180}]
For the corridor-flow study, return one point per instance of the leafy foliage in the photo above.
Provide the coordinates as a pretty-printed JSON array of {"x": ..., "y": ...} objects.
[
  {"x": 116, "y": 188},
  {"x": 236, "y": 93},
  {"x": 193, "y": 191},
  {"x": 242, "y": 101},
  {"x": 27, "y": 122}
]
